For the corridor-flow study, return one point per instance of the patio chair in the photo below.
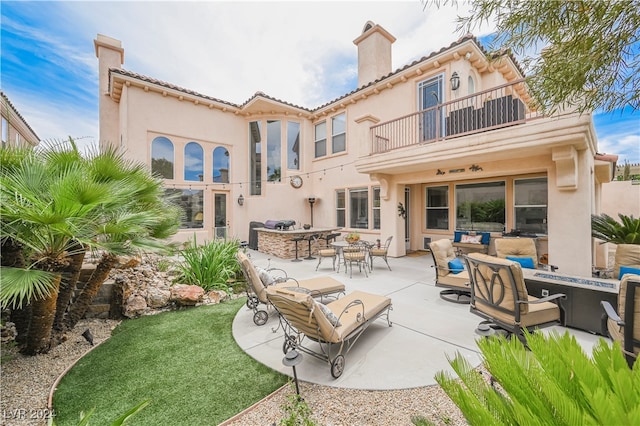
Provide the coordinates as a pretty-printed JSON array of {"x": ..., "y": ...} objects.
[
  {"x": 259, "y": 280},
  {"x": 380, "y": 252},
  {"x": 326, "y": 332},
  {"x": 357, "y": 253},
  {"x": 624, "y": 326},
  {"x": 328, "y": 251},
  {"x": 521, "y": 250},
  {"x": 499, "y": 295},
  {"x": 450, "y": 273}
]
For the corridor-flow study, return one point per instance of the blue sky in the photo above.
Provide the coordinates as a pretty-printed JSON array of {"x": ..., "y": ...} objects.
[{"x": 300, "y": 52}]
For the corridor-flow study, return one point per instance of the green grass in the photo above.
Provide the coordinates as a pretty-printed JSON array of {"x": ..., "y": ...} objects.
[{"x": 185, "y": 362}]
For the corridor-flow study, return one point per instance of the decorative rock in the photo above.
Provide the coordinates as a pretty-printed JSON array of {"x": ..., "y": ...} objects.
[
  {"x": 186, "y": 295},
  {"x": 215, "y": 296},
  {"x": 158, "y": 297},
  {"x": 134, "y": 307}
]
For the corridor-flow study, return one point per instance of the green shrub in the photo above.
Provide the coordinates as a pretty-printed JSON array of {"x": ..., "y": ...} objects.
[
  {"x": 210, "y": 265},
  {"x": 553, "y": 383}
]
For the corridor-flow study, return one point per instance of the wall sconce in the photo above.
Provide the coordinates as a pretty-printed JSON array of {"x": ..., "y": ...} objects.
[
  {"x": 455, "y": 81},
  {"x": 240, "y": 200},
  {"x": 291, "y": 359}
]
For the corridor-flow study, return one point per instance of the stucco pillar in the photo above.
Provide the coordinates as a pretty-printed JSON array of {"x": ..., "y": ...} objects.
[
  {"x": 391, "y": 223},
  {"x": 569, "y": 214}
]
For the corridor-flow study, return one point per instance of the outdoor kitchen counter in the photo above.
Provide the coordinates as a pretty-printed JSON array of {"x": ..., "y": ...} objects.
[
  {"x": 582, "y": 306},
  {"x": 278, "y": 242}
]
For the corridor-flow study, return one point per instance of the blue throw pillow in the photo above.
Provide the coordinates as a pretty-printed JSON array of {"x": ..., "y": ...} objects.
[
  {"x": 628, "y": 270},
  {"x": 485, "y": 237},
  {"x": 457, "y": 235},
  {"x": 455, "y": 266},
  {"x": 525, "y": 262}
]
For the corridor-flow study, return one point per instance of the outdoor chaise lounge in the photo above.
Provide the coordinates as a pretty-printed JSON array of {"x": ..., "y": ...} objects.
[
  {"x": 257, "y": 283},
  {"x": 450, "y": 272},
  {"x": 326, "y": 331},
  {"x": 624, "y": 325},
  {"x": 499, "y": 295}
]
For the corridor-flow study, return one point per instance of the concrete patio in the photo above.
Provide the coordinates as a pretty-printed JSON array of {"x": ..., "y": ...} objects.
[{"x": 426, "y": 329}]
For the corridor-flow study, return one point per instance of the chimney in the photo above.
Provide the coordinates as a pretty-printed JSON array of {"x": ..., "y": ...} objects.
[
  {"x": 110, "y": 54},
  {"x": 374, "y": 53}
]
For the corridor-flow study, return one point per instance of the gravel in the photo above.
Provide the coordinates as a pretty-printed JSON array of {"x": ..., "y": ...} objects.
[{"x": 26, "y": 383}]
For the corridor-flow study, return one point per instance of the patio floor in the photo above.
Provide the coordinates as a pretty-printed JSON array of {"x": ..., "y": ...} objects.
[{"x": 426, "y": 329}]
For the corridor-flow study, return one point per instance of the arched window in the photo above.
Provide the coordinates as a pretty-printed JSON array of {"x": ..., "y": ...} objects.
[
  {"x": 193, "y": 162},
  {"x": 471, "y": 86},
  {"x": 221, "y": 165},
  {"x": 162, "y": 157}
]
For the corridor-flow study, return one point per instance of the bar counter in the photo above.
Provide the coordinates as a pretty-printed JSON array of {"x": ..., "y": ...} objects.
[{"x": 278, "y": 242}]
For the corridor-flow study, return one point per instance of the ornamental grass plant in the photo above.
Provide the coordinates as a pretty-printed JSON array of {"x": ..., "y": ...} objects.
[
  {"x": 185, "y": 363},
  {"x": 211, "y": 266}
]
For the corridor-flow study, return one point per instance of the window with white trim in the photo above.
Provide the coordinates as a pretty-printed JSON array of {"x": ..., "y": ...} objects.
[
  {"x": 341, "y": 210},
  {"x": 376, "y": 207},
  {"x": 321, "y": 139},
  {"x": 437, "y": 209},
  {"x": 359, "y": 208},
  {"x": 339, "y": 133},
  {"x": 530, "y": 205}
]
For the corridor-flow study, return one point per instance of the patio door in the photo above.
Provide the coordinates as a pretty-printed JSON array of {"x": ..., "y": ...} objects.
[
  {"x": 407, "y": 234},
  {"x": 431, "y": 94},
  {"x": 220, "y": 215}
]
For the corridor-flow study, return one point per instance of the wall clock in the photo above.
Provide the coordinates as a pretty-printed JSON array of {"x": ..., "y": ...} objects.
[{"x": 296, "y": 181}]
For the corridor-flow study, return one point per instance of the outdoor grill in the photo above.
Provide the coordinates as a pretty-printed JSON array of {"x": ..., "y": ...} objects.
[{"x": 279, "y": 224}]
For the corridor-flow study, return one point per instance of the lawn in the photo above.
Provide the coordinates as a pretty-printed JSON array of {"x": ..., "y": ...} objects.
[{"x": 186, "y": 363}]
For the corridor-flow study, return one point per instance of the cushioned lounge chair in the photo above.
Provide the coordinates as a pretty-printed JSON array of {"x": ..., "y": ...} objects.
[
  {"x": 326, "y": 331},
  {"x": 624, "y": 325},
  {"x": 455, "y": 281},
  {"x": 258, "y": 282},
  {"x": 522, "y": 250},
  {"x": 499, "y": 295}
]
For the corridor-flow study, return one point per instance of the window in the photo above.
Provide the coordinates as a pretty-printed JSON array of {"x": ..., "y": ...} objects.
[
  {"x": 5, "y": 131},
  {"x": 376, "y": 207},
  {"x": 162, "y": 157},
  {"x": 192, "y": 204},
  {"x": 359, "y": 208},
  {"x": 437, "y": 207},
  {"x": 530, "y": 206},
  {"x": 221, "y": 165},
  {"x": 338, "y": 133},
  {"x": 193, "y": 162},
  {"x": 321, "y": 139},
  {"x": 480, "y": 206},
  {"x": 471, "y": 86},
  {"x": 340, "y": 208},
  {"x": 255, "y": 162},
  {"x": 293, "y": 145},
  {"x": 274, "y": 150}
]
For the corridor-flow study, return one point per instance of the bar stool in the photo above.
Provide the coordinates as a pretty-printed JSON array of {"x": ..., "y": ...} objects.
[
  {"x": 311, "y": 237},
  {"x": 295, "y": 240}
]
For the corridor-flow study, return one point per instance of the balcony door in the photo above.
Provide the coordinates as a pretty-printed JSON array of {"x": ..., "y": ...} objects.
[{"x": 430, "y": 95}]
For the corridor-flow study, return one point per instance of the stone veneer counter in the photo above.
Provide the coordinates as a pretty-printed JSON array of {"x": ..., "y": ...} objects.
[
  {"x": 278, "y": 242},
  {"x": 582, "y": 306}
]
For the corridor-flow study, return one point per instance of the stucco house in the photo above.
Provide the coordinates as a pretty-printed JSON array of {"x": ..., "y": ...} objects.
[{"x": 450, "y": 141}]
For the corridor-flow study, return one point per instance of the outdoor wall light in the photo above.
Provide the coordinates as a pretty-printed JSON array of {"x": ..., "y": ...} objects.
[
  {"x": 291, "y": 359},
  {"x": 455, "y": 81},
  {"x": 240, "y": 200}
]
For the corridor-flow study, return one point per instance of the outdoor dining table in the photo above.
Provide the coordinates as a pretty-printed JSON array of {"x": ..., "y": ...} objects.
[{"x": 340, "y": 246}]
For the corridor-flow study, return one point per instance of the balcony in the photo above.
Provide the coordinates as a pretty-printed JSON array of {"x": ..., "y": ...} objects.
[{"x": 499, "y": 107}]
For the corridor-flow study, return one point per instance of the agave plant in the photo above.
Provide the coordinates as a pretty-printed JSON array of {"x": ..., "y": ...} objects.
[{"x": 609, "y": 230}]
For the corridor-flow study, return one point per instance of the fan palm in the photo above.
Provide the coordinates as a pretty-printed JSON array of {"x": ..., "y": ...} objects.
[
  {"x": 609, "y": 230},
  {"x": 57, "y": 204}
]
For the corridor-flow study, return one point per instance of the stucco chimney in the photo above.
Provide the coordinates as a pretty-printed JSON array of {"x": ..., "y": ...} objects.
[
  {"x": 374, "y": 53},
  {"x": 110, "y": 54}
]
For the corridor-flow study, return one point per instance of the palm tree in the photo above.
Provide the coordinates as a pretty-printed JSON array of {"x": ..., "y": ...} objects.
[
  {"x": 56, "y": 204},
  {"x": 45, "y": 205},
  {"x": 609, "y": 230},
  {"x": 138, "y": 222}
]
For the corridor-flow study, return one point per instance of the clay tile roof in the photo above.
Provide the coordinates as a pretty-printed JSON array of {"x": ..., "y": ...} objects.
[{"x": 8, "y": 102}]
